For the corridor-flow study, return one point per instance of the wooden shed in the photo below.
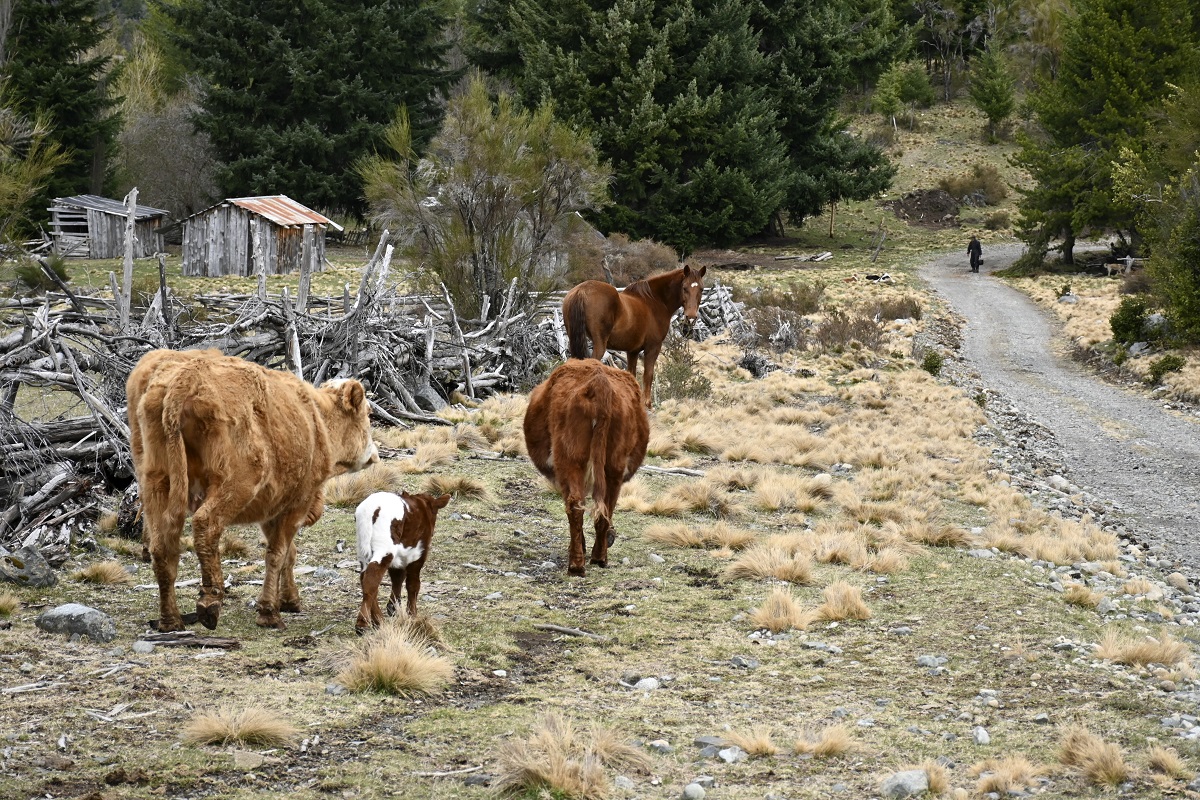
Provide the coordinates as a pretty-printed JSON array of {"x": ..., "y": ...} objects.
[
  {"x": 237, "y": 235},
  {"x": 89, "y": 226}
]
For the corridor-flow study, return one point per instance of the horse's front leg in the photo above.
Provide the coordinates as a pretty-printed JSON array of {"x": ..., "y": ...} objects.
[
  {"x": 632, "y": 357},
  {"x": 651, "y": 358}
]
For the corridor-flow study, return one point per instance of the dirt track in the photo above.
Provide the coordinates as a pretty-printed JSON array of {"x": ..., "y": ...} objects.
[{"x": 1117, "y": 444}]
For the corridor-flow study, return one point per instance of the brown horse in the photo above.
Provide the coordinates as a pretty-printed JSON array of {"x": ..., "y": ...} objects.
[
  {"x": 635, "y": 319},
  {"x": 585, "y": 423}
]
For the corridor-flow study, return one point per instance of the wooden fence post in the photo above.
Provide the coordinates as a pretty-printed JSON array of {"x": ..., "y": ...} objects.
[{"x": 126, "y": 297}]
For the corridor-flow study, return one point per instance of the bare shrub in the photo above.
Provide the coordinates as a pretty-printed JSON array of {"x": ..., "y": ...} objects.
[
  {"x": 1137, "y": 282},
  {"x": 677, "y": 374},
  {"x": 254, "y": 726},
  {"x": 840, "y": 331},
  {"x": 997, "y": 221},
  {"x": 982, "y": 185},
  {"x": 780, "y": 329},
  {"x": 631, "y": 260},
  {"x": 906, "y": 307},
  {"x": 797, "y": 297}
]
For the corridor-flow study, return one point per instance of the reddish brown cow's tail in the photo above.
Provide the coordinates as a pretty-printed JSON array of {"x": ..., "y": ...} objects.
[
  {"x": 602, "y": 397},
  {"x": 174, "y": 400},
  {"x": 575, "y": 318}
]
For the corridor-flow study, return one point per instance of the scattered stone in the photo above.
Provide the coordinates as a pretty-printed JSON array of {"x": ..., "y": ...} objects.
[
  {"x": 708, "y": 741},
  {"x": 657, "y": 559},
  {"x": 931, "y": 661},
  {"x": 624, "y": 783},
  {"x": 661, "y": 746},
  {"x": 909, "y": 783},
  {"x": 693, "y": 791},
  {"x": 334, "y": 689},
  {"x": 500, "y": 673},
  {"x": 26, "y": 567},
  {"x": 247, "y": 760},
  {"x": 494, "y": 596},
  {"x": 143, "y": 648},
  {"x": 744, "y": 663},
  {"x": 479, "y": 779},
  {"x": 733, "y": 754},
  {"x": 706, "y": 781},
  {"x": 1041, "y": 719},
  {"x": 646, "y": 684},
  {"x": 75, "y": 618},
  {"x": 980, "y": 735},
  {"x": 981, "y": 553}
]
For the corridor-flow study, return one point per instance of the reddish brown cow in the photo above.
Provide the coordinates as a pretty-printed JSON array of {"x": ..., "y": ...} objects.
[
  {"x": 586, "y": 422},
  {"x": 394, "y": 532},
  {"x": 233, "y": 442},
  {"x": 635, "y": 319}
]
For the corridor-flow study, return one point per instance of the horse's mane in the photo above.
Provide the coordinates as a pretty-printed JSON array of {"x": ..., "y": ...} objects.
[{"x": 642, "y": 287}]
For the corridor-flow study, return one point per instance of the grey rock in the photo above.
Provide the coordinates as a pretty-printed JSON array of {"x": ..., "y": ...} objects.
[
  {"x": 733, "y": 754},
  {"x": 656, "y": 558},
  {"x": 744, "y": 663},
  {"x": 479, "y": 779},
  {"x": 1042, "y": 718},
  {"x": 1138, "y": 348},
  {"x": 709, "y": 751},
  {"x": 26, "y": 567},
  {"x": 334, "y": 689},
  {"x": 980, "y": 735},
  {"x": 647, "y": 684},
  {"x": 661, "y": 746},
  {"x": 981, "y": 553},
  {"x": 1070, "y": 299},
  {"x": 1106, "y": 606},
  {"x": 693, "y": 791},
  {"x": 909, "y": 783},
  {"x": 494, "y": 596},
  {"x": 902, "y": 630},
  {"x": 707, "y": 781},
  {"x": 80, "y": 620},
  {"x": 706, "y": 741},
  {"x": 143, "y": 648},
  {"x": 624, "y": 783},
  {"x": 930, "y": 661}
]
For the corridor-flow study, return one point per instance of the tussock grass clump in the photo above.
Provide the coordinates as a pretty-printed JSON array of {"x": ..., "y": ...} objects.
[
  {"x": 735, "y": 477},
  {"x": 1167, "y": 761},
  {"x": 937, "y": 775},
  {"x": 766, "y": 561},
  {"x": 847, "y": 547},
  {"x": 558, "y": 761},
  {"x": 722, "y": 535},
  {"x": 639, "y": 497},
  {"x": 706, "y": 497},
  {"x": 347, "y": 491},
  {"x": 1077, "y": 594},
  {"x": 1137, "y": 586},
  {"x": 104, "y": 573},
  {"x": 1100, "y": 762},
  {"x": 399, "y": 659},
  {"x": 663, "y": 445},
  {"x": 757, "y": 742},
  {"x": 9, "y": 603},
  {"x": 830, "y": 742},
  {"x": 1004, "y": 775},
  {"x": 250, "y": 726},
  {"x": 699, "y": 442},
  {"x": 511, "y": 447},
  {"x": 466, "y": 436},
  {"x": 936, "y": 535},
  {"x": 780, "y": 612},
  {"x": 429, "y": 455},
  {"x": 887, "y": 561},
  {"x": 233, "y": 546},
  {"x": 122, "y": 546},
  {"x": 843, "y": 601},
  {"x": 1123, "y": 649},
  {"x": 106, "y": 523},
  {"x": 677, "y": 535},
  {"x": 461, "y": 486}
]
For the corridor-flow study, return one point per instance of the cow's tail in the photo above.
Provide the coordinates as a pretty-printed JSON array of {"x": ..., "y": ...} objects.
[
  {"x": 602, "y": 399},
  {"x": 575, "y": 319},
  {"x": 174, "y": 401}
]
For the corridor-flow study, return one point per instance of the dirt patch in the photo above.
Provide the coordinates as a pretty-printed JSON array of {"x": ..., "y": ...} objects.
[{"x": 929, "y": 208}]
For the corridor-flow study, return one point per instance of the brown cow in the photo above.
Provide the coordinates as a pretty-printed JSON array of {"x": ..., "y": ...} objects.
[
  {"x": 394, "y": 532},
  {"x": 587, "y": 422},
  {"x": 233, "y": 442}
]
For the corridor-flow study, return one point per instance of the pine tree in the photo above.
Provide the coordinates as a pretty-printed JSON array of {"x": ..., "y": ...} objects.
[
  {"x": 992, "y": 89},
  {"x": 52, "y": 70},
  {"x": 291, "y": 100},
  {"x": 1119, "y": 60}
]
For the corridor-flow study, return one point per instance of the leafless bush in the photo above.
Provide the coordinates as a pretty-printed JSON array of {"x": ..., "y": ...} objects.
[
  {"x": 797, "y": 297},
  {"x": 630, "y": 260},
  {"x": 839, "y": 331},
  {"x": 171, "y": 164},
  {"x": 996, "y": 221},
  {"x": 981, "y": 185},
  {"x": 907, "y": 307},
  {"x": 1136, "y": 283},
  {"x": 779, "y": 329}
]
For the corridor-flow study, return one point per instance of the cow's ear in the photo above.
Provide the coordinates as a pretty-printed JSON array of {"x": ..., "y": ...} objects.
[
  {"x": 353, "y": 395},
  {"x": 440, "y": 502}
]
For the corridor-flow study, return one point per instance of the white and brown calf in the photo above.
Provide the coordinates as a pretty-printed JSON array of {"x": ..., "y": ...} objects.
[{"x": 394, "y": 532}]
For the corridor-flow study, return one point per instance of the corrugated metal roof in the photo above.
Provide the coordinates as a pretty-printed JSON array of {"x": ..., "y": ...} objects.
[
  {"x": 117, "y": 207},
  {"x": 282, "y": 210}
]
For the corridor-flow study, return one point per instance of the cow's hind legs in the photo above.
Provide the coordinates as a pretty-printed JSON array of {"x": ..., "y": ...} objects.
[
  {"x": 606, "y": 534},
  {"x": 162, "y": 532},
  {"x": 289, "y": 593},
  {"x": 280, "y": 533},
  {"x": 575, "y": 522}
]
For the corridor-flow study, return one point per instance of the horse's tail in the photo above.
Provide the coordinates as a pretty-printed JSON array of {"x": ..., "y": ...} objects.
[
  {"x": 575, "y": 318},
  {"x": 602, "y": 398}
]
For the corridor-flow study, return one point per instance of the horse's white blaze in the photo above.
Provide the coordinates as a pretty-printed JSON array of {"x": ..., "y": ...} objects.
[
  {"x": 373, "y": 521},
  {"x": 694, "y": 285}
]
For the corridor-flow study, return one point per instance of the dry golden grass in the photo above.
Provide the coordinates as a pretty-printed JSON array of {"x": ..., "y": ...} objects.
[
  {"x": 888, "y": 561},
  {"x": 828, "y": 743},
  {"x": 347, "y": 491},
  {"x": 750, "y": 450},
  {"x": 104, "y": 573},
  {"x": 1004, "y": 775},
  {"x": 936, "y": 535},
  {"x": 756, "y": 742},
  {"x": 780, "y": 612},
  {"x": 938, "y": 776},
  {"x": 735, "y": 477},
  {"x": 9, "y": 603},
  {"x": 466, "y": 436},
  {"x": 429, "y": 455},
  {"x": 557, "y": 761},
  {"x": 1141, "y": 650},
  {"x": 1100, "y": 762},
  {"x": 765, "y": 561},
  {"x": 663, "y": 445},
  {"x": 723, "y": 535},
  {"x": 1137, "y": 586},
  {"x": 1077, "y": 594},
  {"x": 706, "y": 497},
  {"x": 843, "y": 601},
  {"x": 677, "y": 535},
  {"x": 461, "y": 486},
  {"x": 696, "y": 440},
  {"x": 1167, "y": 761},
  {"x": 250, "y": 726},
  {"x": 397, "y": 659},
  {"x": 846, "y": 547},
  {"x": 234, "y": 546},
  {"x": 106, "y": 523},
  {"x": 122, "y": 546},
  {"x": 512, "y": 447},
  {"x": 777, "y": 491}
]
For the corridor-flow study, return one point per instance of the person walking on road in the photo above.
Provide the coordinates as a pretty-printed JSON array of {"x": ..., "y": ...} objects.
[{"x": 975, "y": 250}]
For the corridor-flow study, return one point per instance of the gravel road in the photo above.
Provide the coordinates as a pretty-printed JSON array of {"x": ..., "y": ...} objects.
[{"x": 1118, "y": 445}]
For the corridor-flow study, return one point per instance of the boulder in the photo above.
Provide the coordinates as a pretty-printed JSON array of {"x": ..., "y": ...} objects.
[
  {"x": 77, "y": 618},
  {"x": 26, "y": 567}
]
